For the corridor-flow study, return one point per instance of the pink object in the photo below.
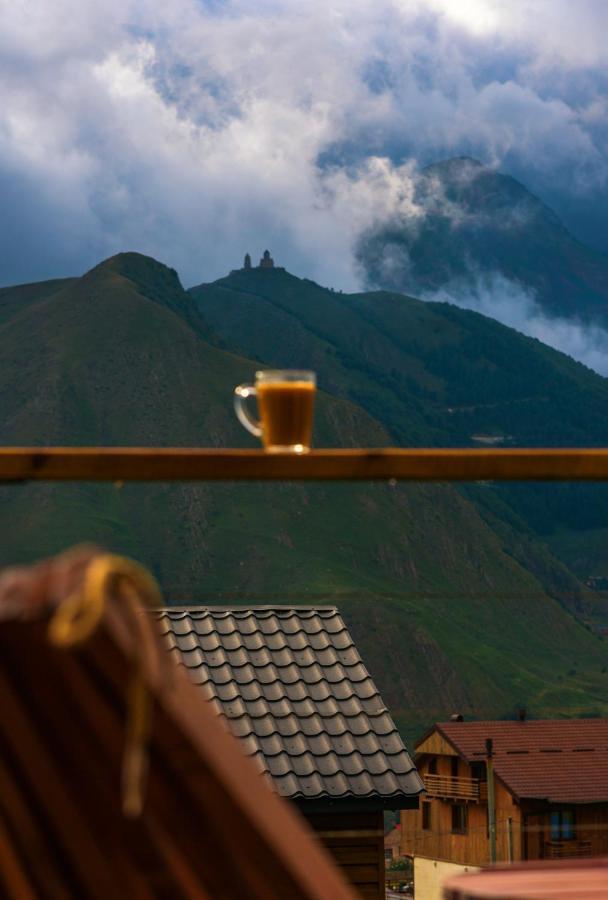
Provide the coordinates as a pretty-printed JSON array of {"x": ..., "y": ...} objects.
[{"x": 580, "y": 879}]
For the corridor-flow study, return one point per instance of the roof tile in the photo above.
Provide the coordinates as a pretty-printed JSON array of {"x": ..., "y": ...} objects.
[
  {"x": 264, "y": 726},
  {"x": 226, "y": 692},
  {"x": 558, "y": 760},
  {"x": 291, "y": 684}
]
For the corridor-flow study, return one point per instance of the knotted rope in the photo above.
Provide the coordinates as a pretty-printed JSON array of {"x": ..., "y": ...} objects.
[{"x": 106, "y": 578}]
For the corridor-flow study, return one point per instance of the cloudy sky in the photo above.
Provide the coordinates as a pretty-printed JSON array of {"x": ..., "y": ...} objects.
[{"x": 195, "y": 130}]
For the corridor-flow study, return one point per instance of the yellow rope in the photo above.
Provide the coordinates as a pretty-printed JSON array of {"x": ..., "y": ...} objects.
[{"x": 75, "y": 620}]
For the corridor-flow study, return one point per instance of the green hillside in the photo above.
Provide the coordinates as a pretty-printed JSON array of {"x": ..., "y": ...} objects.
[
  {"x": 453, "y": 605},
  {"x": 434, "y": 375}
]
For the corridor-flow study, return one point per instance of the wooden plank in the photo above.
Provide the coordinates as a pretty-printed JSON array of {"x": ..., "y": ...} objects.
[
  {"x": 12, "y": 872},
  {"x": 362, "y": 874},
  {"x": 344, "y": 834},
  {"x": 72, "y": 742},
  {"x": 345, "y": 822},
  {"x": 353, "y": 854},
  {"x": 185, "y": 464},
  {"x": 47, "y": 783},
  {"x": 16, "y": 810}
]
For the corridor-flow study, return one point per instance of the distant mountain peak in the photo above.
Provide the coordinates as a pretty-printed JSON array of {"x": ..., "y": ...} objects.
[
  {"x": 481, "y": 190},
  {"x": 151, "y": 279},
  {"x": 474, "y": 224},
  {"x": 139, "y": 268},
  {"x": 455, "y": 166}
]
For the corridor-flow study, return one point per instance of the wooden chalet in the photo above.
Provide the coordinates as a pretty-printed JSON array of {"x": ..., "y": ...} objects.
[
  {"x": 90, "y": 702},
  {"x": 290, "y": 684},
  {"x": 550, "y": 786}
]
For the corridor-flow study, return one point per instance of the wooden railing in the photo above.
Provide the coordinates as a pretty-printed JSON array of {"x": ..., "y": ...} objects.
[
  {"x": 566, "y": 849},
  {"x": 204, "y": 464},
  {"x": 452, "y": 788}
]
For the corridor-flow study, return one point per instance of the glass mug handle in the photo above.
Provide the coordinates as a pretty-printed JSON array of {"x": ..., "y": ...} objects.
[{"x": 241, "y": 393}]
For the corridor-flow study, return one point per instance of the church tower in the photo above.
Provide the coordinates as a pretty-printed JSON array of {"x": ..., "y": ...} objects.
[
  {"x": 267, "y": 262},
  {"x": 247, "y": 263}
]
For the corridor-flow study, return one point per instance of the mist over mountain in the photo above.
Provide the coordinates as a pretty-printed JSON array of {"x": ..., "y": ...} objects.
[{"x": 481, "y": 240}]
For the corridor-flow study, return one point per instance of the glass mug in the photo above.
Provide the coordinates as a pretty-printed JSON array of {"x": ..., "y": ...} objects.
[{"x": 285, "y": 402}]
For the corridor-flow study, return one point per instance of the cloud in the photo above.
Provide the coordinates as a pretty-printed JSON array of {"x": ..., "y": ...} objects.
[
  {"x": 557, "y": 32},
  {"x": 195, "y": 131},
  {"x": 513, "y": 304}
]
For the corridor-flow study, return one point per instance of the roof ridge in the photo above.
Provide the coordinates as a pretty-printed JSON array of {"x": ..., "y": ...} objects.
[
  {"x": 236, "y": 608},
  {"x": 526, "y": 723}
]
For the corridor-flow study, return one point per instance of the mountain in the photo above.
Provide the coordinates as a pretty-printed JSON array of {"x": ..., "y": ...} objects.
[
  {"x": 454, "y": 602},
  {"x": 435, "y": 375},
  {"x": 473, "y": 223}
]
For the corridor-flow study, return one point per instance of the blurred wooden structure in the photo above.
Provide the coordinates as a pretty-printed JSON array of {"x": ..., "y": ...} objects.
[
  {"x": 564, "y": 880},
  {"x": 210, "y": 828}
]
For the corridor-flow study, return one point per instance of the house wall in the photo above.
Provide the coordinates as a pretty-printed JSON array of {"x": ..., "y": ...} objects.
[
  {"x": 590, "y": 830},
  {"x": 591, "y": 824},
  {"x": 530, "y": 827},
  {"x": 429, "y": 875},
  {"x": 435, "y": 744},
  {"x": 471, "y": 848},
  {"x": 356, "y": 841}
]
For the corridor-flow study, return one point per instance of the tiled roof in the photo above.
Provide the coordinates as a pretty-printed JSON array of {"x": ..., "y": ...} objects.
[
  {"x": 293, "y": 688},
  {"x": 559, "y": 760}
]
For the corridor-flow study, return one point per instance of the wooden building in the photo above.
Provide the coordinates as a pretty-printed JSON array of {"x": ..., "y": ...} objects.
[
  {"x": 550, "y": 786},
  {"x": 290, "y": 684}
]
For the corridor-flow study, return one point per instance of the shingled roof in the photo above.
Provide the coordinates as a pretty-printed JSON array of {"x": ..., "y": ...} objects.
[
  {"x": 292, "y": 686},
  {"x": 558, "y": 760}
]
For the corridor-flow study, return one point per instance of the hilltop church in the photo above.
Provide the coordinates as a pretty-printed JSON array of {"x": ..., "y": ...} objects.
[{"x": 266, "y": 262}]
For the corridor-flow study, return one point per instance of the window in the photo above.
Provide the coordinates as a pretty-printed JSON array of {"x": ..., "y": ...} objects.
[
  {"x": 459, "y": 818},
  {"x": 562, "y": 825},
  {"x": 426, "y": 815},
  {"x": 433, "y": 765},
  {"x": 454, "y": 766},
  {"x": 478, "y": 771}
]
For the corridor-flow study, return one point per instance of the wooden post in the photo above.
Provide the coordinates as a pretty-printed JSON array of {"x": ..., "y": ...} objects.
[
  {"x": 510, "y": 839},
  {"x": 491, "y": 804}
]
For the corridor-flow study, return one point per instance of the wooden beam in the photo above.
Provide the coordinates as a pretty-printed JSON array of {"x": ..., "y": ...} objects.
[
  {"x": 48, "y": 786},
  {"x": 119, "y": 464},
  {"x": 12, "y": 873}
]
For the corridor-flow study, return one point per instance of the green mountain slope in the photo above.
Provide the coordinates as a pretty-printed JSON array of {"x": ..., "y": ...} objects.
[
  {"x": 475, "y": 221},
  {"x": 434, "y": 375},
  {"x": 446, "y": 613}
]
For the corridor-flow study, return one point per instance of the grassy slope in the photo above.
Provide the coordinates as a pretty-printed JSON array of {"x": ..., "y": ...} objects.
[
  {"x": 445, "y": 616},
  {"x": 433, "y": 374}
]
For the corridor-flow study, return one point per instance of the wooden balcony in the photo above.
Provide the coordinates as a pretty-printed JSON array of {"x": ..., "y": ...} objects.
[
  {"x": 566, "y": 849},
  {"x": 449, "y": 788}
]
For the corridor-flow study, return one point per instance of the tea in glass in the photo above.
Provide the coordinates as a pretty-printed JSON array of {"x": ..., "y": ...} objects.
[{"x": 286, "y": 405}]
